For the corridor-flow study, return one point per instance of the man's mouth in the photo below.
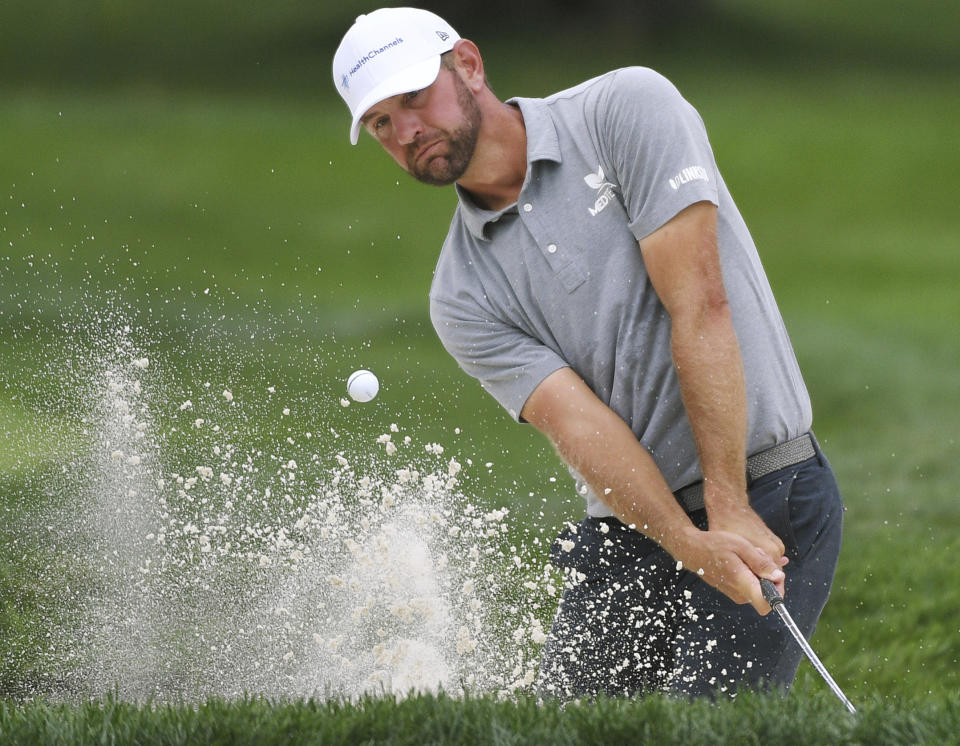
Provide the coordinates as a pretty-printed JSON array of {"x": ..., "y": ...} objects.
[{"x": 427, "y": 150}]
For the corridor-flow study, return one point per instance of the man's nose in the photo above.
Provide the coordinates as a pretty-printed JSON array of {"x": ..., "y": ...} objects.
[{"x": 408, "y": 126}]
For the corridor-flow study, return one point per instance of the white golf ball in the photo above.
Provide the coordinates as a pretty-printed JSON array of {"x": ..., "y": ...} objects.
[{"x": 362, "y": 385}]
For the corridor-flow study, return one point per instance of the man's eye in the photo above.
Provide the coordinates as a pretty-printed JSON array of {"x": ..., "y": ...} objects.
[
  {"x": 380, "y": 123},
  {"x": 412, "y": 95}
]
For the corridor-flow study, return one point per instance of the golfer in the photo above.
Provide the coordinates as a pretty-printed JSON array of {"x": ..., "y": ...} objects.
[{"x": 600, "y": 283}]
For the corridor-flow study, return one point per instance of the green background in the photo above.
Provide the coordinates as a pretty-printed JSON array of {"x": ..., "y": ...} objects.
[{"x": 184, "y": 168}]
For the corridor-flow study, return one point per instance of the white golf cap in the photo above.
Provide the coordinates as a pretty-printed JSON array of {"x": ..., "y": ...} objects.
[{"x": 386, "y": 52}]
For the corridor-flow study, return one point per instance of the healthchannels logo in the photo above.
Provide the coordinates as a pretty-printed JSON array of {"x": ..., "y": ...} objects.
[{"x": 345, "y": 83}]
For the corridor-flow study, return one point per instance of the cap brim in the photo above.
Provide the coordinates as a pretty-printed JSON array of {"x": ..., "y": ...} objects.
[{"x": 412, "y": 78}]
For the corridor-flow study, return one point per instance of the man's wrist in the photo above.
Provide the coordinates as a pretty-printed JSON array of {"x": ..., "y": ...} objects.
[
  {"x": 728, "y": 488},
  {"x": 680, "y": 542}
]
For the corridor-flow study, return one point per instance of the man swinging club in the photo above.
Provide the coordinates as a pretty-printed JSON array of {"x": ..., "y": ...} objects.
[{"x": 600, "y": 283}]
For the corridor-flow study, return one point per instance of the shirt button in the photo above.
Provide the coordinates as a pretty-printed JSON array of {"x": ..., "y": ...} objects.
[
  {"x": 552, "y": 248},
  {"x": 527, "y": 207}
]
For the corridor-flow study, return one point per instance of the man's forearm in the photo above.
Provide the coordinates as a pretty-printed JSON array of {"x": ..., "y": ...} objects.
[
  {"x": 625, "y": 477},
  {"x": 710, "y": 370},
  {"x": 595, "y": 441}
]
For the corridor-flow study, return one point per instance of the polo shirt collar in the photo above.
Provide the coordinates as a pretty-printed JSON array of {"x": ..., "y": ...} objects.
[{"x": 543, "y": 144}]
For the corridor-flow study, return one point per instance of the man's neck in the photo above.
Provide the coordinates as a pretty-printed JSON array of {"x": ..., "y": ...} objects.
[{"x": 499, "y": 165}]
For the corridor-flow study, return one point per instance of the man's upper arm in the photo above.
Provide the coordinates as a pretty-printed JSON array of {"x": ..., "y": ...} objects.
[{"x": 683, "y": 261}]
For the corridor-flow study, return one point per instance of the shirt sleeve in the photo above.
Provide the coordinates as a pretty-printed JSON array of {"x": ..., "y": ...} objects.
[
  {"x": 657, "y": 145},
  {"x": 508, "y": 362}
]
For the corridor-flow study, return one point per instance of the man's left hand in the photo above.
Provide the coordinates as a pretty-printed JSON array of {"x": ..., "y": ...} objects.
[{"x": 743, "y": 521}]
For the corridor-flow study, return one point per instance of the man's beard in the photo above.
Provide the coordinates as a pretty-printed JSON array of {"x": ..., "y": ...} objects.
[{"x": 443, "y": 170}]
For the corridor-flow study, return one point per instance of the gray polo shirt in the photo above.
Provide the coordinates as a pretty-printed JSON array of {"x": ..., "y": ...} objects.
[{"x": 558, "y": 279}]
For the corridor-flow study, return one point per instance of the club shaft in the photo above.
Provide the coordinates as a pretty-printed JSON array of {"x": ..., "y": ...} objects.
[{"x": 811, "y": 656}]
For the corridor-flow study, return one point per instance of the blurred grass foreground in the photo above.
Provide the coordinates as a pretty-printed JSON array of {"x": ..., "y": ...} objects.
[{"x": 178, "y": 187}]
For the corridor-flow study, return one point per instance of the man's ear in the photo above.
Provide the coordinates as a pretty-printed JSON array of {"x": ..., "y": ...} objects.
[{"x": 469, "y": 64}]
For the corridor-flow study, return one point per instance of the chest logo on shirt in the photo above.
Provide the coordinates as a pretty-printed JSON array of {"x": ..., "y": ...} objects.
[{"x": 604, "y": 189}]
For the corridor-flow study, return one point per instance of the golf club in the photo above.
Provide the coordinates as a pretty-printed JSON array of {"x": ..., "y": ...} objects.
[{"x": 776, "y": 602}]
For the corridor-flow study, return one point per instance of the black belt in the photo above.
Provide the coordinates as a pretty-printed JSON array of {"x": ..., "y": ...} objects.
[{"x": 773, "y": 459}]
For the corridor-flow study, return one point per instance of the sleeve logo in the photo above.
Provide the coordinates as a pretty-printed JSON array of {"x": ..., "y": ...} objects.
[{"x": 691, "y": 173}]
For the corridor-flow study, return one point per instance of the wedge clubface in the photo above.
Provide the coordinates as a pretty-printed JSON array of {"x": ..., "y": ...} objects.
[{"x": 776, "y": 603}]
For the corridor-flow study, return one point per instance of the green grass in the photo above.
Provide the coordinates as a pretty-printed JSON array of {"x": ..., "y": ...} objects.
[{"x": 484, "y": 720}]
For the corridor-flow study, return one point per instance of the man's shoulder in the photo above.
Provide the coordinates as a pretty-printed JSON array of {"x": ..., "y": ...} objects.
[
  {"x": 634, "y": 77},
  {"x": 623, "y": 92}
]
